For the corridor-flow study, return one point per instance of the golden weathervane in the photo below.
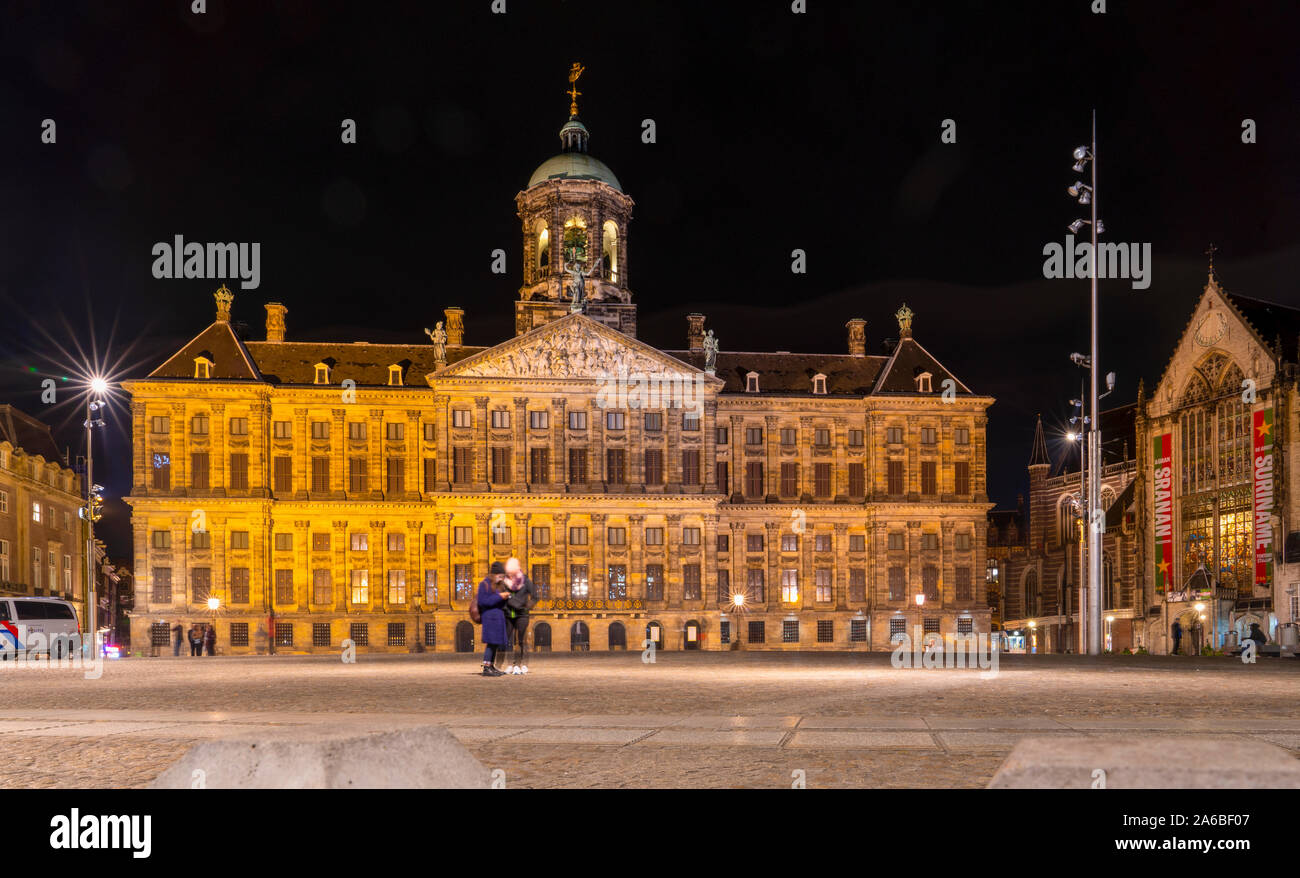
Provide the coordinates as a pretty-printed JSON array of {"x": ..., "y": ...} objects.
[{"x": 574, "y": 72}]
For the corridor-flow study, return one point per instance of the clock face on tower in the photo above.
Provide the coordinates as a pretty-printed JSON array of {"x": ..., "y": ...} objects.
[{"x": 1211, "y": 329}]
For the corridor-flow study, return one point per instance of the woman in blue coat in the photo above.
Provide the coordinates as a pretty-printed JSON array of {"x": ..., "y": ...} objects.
[{"x": 492, "y": 595}]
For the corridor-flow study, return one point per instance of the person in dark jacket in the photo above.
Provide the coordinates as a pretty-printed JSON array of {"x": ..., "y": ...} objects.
[
  {"x": 178, "y": 634},
  {"x": 491, "y": 597},
  {"x": 1177, "y": 631},
  {"x": 196, "y": 640},
  {"x": 1257, "y": 634},
  {"x": 523, "y": 595},
  {"x": 210, "y": 640}
]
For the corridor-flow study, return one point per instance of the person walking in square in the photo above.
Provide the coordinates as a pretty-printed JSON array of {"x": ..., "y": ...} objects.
[
  {"x": 178, "y": 633},
  {"x": 196, "y": 640},
  {"x": 210, "y": 639},
  {"x": 523, "y": 595},
  {"x": 491, "y": 598},
  {"x": 1177, "y": 631}
]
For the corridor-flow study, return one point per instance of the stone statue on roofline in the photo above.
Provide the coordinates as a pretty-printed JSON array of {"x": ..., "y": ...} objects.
[
  {"x": 710, "y": 353},
  {"x": 438, "y": 336}
]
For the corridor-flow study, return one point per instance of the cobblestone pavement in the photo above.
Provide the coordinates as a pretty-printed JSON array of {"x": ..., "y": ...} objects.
[{"x": 610, "y": 720}]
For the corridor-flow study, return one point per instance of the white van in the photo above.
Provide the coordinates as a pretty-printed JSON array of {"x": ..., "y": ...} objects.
[{"x": 32, "y": 626}]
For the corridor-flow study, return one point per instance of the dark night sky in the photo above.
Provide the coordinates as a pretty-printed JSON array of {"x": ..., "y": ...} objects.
[{"x": 775, "y": 131}]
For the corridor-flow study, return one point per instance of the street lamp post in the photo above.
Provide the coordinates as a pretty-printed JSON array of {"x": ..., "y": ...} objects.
[{"x": 94, "y": 403}]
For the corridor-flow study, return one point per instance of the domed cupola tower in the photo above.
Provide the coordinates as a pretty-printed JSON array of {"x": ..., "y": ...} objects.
[{"x": 574, "y": 217}]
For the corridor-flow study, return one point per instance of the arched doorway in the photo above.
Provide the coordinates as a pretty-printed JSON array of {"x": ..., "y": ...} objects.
[
  {"x": 542, "y": 636},
  {"x": 464, "y": 637},
  {"x": 692, "y": 635},
  {"x": 654, "y": 632},
  {"x": 617, "y": 636},
  {"x": 579, "y": 636}
]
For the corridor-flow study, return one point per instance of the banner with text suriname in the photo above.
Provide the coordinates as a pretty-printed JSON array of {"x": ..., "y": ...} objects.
[
  {"x": 1262, "y": 465},
  {"x": 1164, "y": 509}
]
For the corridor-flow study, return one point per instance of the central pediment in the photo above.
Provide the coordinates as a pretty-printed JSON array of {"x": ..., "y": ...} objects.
[{"x": 574, "y": 347}]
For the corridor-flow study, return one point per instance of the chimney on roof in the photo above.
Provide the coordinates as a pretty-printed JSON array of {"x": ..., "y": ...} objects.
[
  {"x": 455, "y": 325},
  {"x": 275, "y": 321},
  {"x": 695, "y": 332},
  {"x": 857, "y": 337}
]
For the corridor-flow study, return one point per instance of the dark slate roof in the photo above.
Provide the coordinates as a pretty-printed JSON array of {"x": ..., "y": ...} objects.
[
  {"x": 293, "y": 362},
  {"x": 1115, "y": 514},
  {"x": 907, "y": 361},
  {"x": 1118, "y": 438},
  {"x": 1039, "y": 455},
  {"x": 23, "y": 431},
  {"x": 219, "y": 344},
  {"x": 786, "y": 373},
  {"x": 1271, "y": 321}
]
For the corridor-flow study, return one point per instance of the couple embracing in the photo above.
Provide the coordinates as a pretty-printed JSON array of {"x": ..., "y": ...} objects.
[{"x": 504, "y": 598}]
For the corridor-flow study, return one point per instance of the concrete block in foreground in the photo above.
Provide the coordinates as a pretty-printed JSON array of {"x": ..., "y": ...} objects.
[
  {"x": 1165, "y": 762},
  {"x": 329, "y": 758}
]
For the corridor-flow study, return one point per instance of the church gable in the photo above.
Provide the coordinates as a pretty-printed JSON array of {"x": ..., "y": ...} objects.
[{"x": 574, "y": 347}]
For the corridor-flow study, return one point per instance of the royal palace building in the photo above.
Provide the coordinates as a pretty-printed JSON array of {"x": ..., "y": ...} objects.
[{"x": 303, "y": 494}]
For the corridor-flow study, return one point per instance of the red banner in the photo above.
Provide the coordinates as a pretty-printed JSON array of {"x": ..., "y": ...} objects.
[
  {"x": 1163, "y": 481},
  {"x": 1262, "y": 465}
]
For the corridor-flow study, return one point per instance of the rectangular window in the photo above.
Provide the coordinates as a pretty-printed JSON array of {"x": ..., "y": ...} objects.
[
  {"x": 539, "y": 420},
  {"x": 539, "y": 465},
  {"x": 283, "y": 542},
  {"x": 464, "y": 582},
  {"x": 895, "y": 477},
  {"x": 929, "y": 436},
  {"x": 199, "y": 425},
  {"x": 928, "y": 481},
  {"x": 822, "y": 479},
  {"x": 162, "y": 473},
  {"x": 757, "y": 632},
  {"x": 396, "y": 475},
  {"x": 822, "y": 542},
  {"x": 239, "y": 426},
  {"x": 654, "y": 466},
  {"x": 615, "y": 466},
  {"x": 894, "y": 435},
  {"x": 753, "y": 435},
  {"x": 541, "y": 536},
  {"x": 897, "y": 584},
  {"x": 396, "y": 432},
  {"x": 161, "y": 424},
  {"x": 822, "y": 582},
  {"x": 320, "y": 474},
  {"x": 397, "y": 586},
  {"x": 577, "y": 536},
  {"x": 4, "y": 501},
  {"x": 501, "y": 471},
  {"x": 320, "y": 542},
  {"x": 282, "y": 429},
  {"x": 201, "y": 584},
  {"x": 789, "y": 479},
  {"x": 577, "y": 581},
  {"x": 284, "y": 634},
  {"x": 162, "y": 585},
  {"x": 320, "y": 429},
  {"x": 930, "y": 625},
  {"x": 755, "y": 587},
  {"x": 855, "y": 439},
  {"x": 202, "y": 540},
  {"x": 199, "y": 471},
  {"x": 430, "y": 475},
  {"x": 897, "y": 628},
  {"x": 691, "y": 467},
  {"x": 430, "y": 635},
  {"x": 577, "y": 466},
  {"x": 462, "y": 464},
  {"x": 930, "y": 582},
  {"x": 431, "y": 587},
  {"x": 430, "y": 543},
  {"x": 500, "y": 419},
  {"x": 542, "y": 579},
  {"x": 654, "y": 422},
  {"x": 691, "y": 587},
  {"x": 857, "y": 584},
  {"x": 929, "y": 542},
  {"x": 358, "y": 472},
  {"x": 430, "y": 432},
  {"x": 463, "y": 536},
  {"x": 753, "y": 479},
  {"x": 577, "y": 420},
  {"x": 857, "y": 480},
  {"x": 896, "y": 541},
  {"x": 788, "y": 435},
  {"x": 500, "y": 533},
  {"x": 754, "y": 542},
  {"x": 360, "y": 541},
  {"x": 654, "y": 582},
  {"x": 961, "y": 542},
  {"x": 825, "y": 631},
  {"x": 962, "y": 584},
  {"x": 822, "y": 437},
  {"x": 322, "y": 587},
  {"x": 617, "y": 582},
  {"x": 239, "y": 634},
  {"x": 724, "y": 631},
  {"x": 857, "y": 542},
  {"x": 360, "y": 587},
  {"x": 961, "y": 477},
  {"x": 690, "y": 536},
  {"x": 284, "y": 586},
  {"x": 36, "y": 512},
  {"x": 721, "y": 474},
  {"x": 397, "y": 634},
  {"x": 239, "y": 539},
  {"x": 239, "y": 585},
  {"x": 789, "y": 586},
  {"x": 965, "y": 625},
  {"x": 239, "y": 472},
  {"x": 614, "y": 420},
  {"x": 720, "y": 436},
  {"x": 789, "y": 631},
  {"x": 162, "y": 539},
  {"x": 356, "y": 430},
  {"x": 320, "y": 633},
  {"x": 396, "y": 542},
  {"x": 690, "y": 422},
  {"x": 283, "y": 474},
  {"x": 724, "y": 587},
  {"x": 654, "y": 536},
  {"x": 961, "y": 436},
  {"x": 462, "y": 418},
  {"x": 616, "y": 536},
  {"x": 789, "y": 542},
  {"x": 723, "y": 542},
  {"x": 857, "y": 630},
  {"x": 360, "y": 633}
]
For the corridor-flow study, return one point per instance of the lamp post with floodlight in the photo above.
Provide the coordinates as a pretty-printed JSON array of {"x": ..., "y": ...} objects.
[{"x": 95, "y": 404}]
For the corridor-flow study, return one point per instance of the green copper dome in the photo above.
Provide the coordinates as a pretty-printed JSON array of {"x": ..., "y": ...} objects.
[{"x": 574, "y": 166}]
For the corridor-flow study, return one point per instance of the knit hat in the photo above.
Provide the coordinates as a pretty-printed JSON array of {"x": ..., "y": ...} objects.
[{"x": 498, "y": 567}]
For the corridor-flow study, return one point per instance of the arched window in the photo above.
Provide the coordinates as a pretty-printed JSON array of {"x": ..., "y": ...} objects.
[
  {"x": 543, "y": 249},
  {"x": 575, "y": 240},
  {"x": 609, "y": 250},
  {"x": 1030, "y": 592},
  {"x": 464, "y": 636},
  {"x": 579, "y": 636},
  {"x": 1110, "y": 586},
  {"x": 542, "y": 635},
  {"x": 617, "y": 636},
  {"x": 654, "y": 632},
  {"x": 1067, "y": 518}
]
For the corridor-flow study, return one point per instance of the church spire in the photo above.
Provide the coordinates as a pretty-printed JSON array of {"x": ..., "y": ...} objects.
[
  {"x": 1038, "y": 457},
  {"x": 574, "y": 135}
]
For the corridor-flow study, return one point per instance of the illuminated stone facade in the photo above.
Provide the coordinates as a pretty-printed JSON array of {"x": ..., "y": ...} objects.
[{"x": 700, "y": 498}]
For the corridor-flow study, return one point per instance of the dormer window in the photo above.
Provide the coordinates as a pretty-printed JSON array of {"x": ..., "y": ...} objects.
[
  {"x": 394, "y": 376},
  {"x": 202, "y": 367},
  {"x": 322, "y": 374},
  {"x": 819, "y": 383},
  {"x": 923, "y": 383},
  {"x": 751, "y": 382}
]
